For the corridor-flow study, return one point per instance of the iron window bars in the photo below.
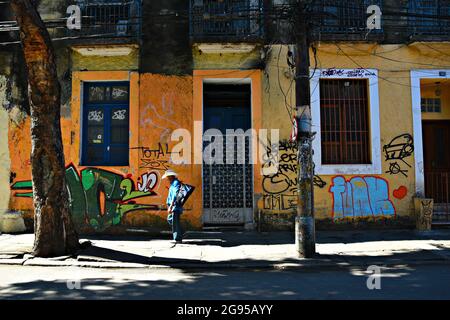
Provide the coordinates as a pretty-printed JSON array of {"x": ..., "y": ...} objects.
[{"x": 231, "y": 20}]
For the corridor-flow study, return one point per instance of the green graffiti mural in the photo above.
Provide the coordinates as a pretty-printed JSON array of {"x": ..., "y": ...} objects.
[
  {"x": 23, "y": 186},
  {"x": 100, "y": 198}
]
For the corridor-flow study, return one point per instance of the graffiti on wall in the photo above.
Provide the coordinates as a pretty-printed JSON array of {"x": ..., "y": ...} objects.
[
  {"x": 96, "y": 115},
  {"x": 162, "y": 120},
  {"x": 280, "y": 202},
  {"x": 361, "y": 197},
  {"x": 319, "y": 182},
  {"x": 225, "y": 215},
  {"x": 147, "y": 182},
  {"x": 156, "y": 158},
  {"x": 353, "y": 73},
  {"x": 98, "y": 197},
  {"x": 400, "y": 193},
  {"x": 396, "y": 153},
  {"x": 427, "y": 207},
  {"x": 22, "y": 189},
  {"x": 285, "y": 180},
  {"x": 120, "y": 115},
  {"x": 280, "y": 189}
]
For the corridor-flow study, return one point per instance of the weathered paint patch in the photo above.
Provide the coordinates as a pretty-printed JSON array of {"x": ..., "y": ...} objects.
[
  {"x": 106, "y": 63},
  {"x": 5, "y": 162},
  {"x": 166, "y": 105},
  {"x": 101, "y": 197},
  {"x": 19, "y": 141},
  {"x": 224, "y": 58}
]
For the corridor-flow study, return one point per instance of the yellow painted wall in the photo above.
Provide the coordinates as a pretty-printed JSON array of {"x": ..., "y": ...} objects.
[
  {"x": 394, "y": 63},
  {"x": 20, "y": 150},
  {"x": 279, "y": 92},
  {"x": 5, "y": 162},
  {"x": 159, "y": 104}
]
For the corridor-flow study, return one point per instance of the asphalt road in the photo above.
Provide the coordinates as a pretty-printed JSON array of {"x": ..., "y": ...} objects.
[{"x": 418, "y": 282}]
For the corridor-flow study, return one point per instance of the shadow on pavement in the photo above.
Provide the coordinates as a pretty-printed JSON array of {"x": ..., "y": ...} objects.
[
  {"x": 331, "y": 276},
  {"x": 221, "y": 238},
  {"x": 325, "y": 261},
  {"x": 380, "y": 235},
  {"x": 402, "y": 282},
  {"x": 234, "y": 239}
]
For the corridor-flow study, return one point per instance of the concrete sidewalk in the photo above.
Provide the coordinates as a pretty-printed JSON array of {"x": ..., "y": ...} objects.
[{"x": 219, "y": 250}]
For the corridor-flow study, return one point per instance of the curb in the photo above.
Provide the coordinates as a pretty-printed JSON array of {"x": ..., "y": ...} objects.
[{"x": 309, "y": 265}]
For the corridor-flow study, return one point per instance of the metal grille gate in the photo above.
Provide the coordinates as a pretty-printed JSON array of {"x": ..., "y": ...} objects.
[
  {"x": 437, "y": 187},
  {"x": 436, "y": 138},
  {"x": 228, "y": 188}
]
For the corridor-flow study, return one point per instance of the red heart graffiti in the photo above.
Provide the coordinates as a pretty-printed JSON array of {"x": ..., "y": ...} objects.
[{"x": 400, "y": 193}]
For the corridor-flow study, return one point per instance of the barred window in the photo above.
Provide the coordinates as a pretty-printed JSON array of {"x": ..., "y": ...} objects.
[
  {"x": 423, "y": 16},
  {"x": 344, "y": 111}
]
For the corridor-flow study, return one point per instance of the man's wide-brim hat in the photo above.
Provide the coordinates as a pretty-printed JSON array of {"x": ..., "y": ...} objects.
[{"x": 169, "y": 173}]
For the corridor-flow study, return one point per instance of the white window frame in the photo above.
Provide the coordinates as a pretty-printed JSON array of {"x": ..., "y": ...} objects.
[
  {"x": 416, "y": 94},
  {"x": 374, "y": 110}
]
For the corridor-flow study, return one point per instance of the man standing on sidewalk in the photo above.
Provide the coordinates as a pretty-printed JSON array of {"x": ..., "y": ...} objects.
[{"x": 174, "y": 210}]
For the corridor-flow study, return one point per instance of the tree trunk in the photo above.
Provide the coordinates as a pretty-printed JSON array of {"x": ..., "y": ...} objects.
[{"x": 55, "y": 234}]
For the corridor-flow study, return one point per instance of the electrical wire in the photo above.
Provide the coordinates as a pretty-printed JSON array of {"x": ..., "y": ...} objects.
[
  {"x": 439, "y": 51},
  {"x": 395, "y": 60},
  {"x": 382, "y": 78},
  {"x": 281, "y": 87},
  {"x": 288, "y": 13}
]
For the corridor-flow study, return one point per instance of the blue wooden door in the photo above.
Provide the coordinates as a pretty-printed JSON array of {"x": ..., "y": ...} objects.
[{"x": 106, "y": 124}]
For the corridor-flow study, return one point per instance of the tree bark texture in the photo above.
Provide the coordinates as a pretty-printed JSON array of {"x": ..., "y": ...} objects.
[{"x": 55, "y": 234}]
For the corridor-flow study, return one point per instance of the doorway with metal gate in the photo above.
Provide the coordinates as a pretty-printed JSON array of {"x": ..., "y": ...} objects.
[
  {"x": 436, "y": 139},
  {"x": 228, "y": 180}
]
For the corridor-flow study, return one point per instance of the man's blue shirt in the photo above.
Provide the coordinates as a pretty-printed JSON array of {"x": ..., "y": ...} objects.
[{"x": 173, "y": 190}]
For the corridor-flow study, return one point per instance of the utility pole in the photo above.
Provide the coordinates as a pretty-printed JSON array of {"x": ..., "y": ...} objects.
[{"x": 304, "y": 221}]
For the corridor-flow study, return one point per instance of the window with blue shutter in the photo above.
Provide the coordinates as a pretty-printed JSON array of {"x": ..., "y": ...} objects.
[{"x": 106, "y": 124}]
